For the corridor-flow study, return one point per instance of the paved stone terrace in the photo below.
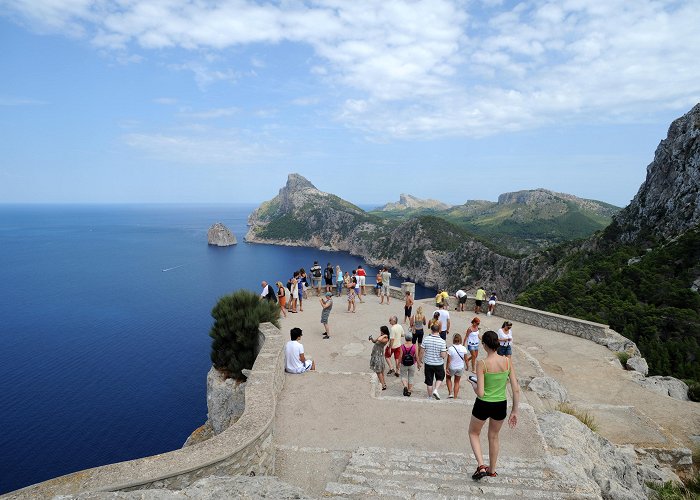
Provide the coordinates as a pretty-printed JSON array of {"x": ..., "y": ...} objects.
[{"x": 325, "y": 419}]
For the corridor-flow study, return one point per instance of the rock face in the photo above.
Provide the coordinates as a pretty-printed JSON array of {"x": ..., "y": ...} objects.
[
  {"x": 638, "y": 364},
  {"x": 584, "y": 457},
  {"x": 556, "y": 203},
  {"x": 668, "y": 386},
  {"x": 220, "y": 236},
  {"x": 666, "y": 204},
  {"x": 408, "y": 202},
  {"x": 548, "y": 388},
  {"x": 225, "y": 401}
]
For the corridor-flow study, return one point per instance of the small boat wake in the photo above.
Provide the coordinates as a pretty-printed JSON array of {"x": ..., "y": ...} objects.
[{"x": 171, "y": 268}]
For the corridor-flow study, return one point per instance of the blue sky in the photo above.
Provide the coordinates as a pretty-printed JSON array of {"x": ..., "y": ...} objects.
[{"x": 217, "y": 101}]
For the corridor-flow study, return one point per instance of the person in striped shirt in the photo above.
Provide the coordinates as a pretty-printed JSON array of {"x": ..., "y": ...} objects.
[{"x": 432, "y": 354}]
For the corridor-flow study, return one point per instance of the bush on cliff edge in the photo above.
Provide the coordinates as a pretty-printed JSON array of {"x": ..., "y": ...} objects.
[{"x": 234, "y": 334}]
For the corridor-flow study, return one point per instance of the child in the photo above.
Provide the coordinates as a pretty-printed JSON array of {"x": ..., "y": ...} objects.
[
  {"x": 351, "y": 295},
  {"x": 492, "y": 304}
]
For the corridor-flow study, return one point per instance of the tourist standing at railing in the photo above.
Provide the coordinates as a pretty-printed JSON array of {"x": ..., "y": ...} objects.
[
  {"x": 361, "y": 280},
  {"x": 505, "y": 338},
  {"x": 328, "y": 277},
  {"x": 378, "y": 286},
  {"x": 294, "y": 289},
  {"x": 316, "y": 277},
  {"x": 386, "y": 284},
  {"x": 339, "y": 280},
  {"x": 461, "y": 297},
  {"x": 492, "y": 304},
  {"x": 479, "y": 298},
  {"x": 492, "y": 375},
  {"x": 282, "y": 297}
]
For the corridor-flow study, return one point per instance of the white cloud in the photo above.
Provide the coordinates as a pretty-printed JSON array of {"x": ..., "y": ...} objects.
[
  {"x": 202, "y": 147},
  {"x": 211, "y": 114},
  {"x": 427, "y": 67},
  {"x": 18, "y": 101}
]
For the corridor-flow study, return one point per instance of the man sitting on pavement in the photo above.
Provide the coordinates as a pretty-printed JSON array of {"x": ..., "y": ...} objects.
[{"x": 294, "y": 359}]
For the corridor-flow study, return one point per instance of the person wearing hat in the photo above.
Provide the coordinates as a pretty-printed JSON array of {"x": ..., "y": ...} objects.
[{"x": 326, "y": 305}]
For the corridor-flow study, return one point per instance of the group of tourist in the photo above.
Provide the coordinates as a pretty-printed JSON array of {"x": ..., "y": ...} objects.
[
  {"x": 408, "y": 352},
  {"x": 291, "y": 297}
]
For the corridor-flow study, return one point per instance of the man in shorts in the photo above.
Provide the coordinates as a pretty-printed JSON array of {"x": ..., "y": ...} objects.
[
  {"x": 386, "y": 283},
  {"x": 444, "y": 320},
  {"x": 479, "y": 298},
  {"x": 432, "y": 353},
  {"x": 393, "y": 348},
  {"x": 328, "y": 277},
  {"x": 294, "y": 359},
  {"x": 461, "y": 296},
  {"x": 316, "y": 277},
  {"x": 361, "y": 278}
]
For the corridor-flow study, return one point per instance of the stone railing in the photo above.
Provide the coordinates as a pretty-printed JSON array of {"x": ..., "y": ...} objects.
[
  {"x": 596, "y": 332},
  {"x": 245, "y": 448}
]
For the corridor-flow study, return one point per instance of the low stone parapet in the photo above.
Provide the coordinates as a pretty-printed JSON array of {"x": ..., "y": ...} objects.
[
  {"x": 245, "y": 448},
  {"x": 596, "y": 332}
]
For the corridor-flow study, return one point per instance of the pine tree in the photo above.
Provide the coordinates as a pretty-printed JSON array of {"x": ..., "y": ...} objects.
[{"x": 234, "y": 334}]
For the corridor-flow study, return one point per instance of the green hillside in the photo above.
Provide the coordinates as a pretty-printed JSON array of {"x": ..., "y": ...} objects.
[{"x": 648, "y": 301}]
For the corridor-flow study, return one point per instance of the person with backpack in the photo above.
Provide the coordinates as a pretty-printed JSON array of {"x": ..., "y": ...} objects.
[
  {"x": 408, "y": 364},
  {"x": 328, "y": 277},
  {"x": 455, "y": 365},
  {"x": 316, "y": 277}
]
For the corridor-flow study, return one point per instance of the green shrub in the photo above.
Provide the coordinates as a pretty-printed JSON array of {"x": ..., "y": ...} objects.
[
  {"x": 234, "y": 334},
  {"x": 623, "y": 357},
  {"x": 673, "y": 491},
  {"x": 693, "y": 390},
  {"x": 586, "y": 418}
]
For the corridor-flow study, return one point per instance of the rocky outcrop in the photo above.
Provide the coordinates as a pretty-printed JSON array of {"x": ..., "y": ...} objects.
[
  {"x": 666, "y": 204},
  {"x": 668, "y": 386},
  {"x": 548, "y": 388},
  {"x": 219, "y": 235},
  {"x": 638, "y": 364},
  {"x": 408, "y": 202},
  {"x": 555, "y": 203},
  {"x": 586, "y": 458}
]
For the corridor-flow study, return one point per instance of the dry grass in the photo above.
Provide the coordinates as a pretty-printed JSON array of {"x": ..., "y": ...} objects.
[{"x": 586, "y": 418}]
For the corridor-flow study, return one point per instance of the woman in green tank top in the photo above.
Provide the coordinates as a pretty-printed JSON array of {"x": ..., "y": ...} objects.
[{"x": 492, "y": 375}]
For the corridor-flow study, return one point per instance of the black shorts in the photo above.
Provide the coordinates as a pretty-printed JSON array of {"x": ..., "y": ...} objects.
[
  {"x": 443, "y": 335},
  {"x": 479, "y": 302},
  {"x": 483, "y": 410},
  {"x": 329, "y": 281},
  {"x": 463, "y": 299},
  {"x": 417, "y": 337},
  {"x": 437, "y": 371},
  {"x": 407, "y": 311}
]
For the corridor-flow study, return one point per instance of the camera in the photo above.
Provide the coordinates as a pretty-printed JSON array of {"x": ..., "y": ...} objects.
[{"x": 369, "y": 338}]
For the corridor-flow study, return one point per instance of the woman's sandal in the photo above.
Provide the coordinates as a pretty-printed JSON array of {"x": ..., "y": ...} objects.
[
  {"x": 492, "y": 474},
  {"x": 481, "y": 471},
  {"x": 384, "y": 387}
]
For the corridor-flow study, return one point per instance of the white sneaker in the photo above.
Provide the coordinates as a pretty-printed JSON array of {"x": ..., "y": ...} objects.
[
  {"x": 436, "y": 395},
  {"x": 450, "y": 396}
]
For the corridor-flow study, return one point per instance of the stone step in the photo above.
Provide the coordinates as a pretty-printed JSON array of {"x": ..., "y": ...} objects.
[
  {"x": 411, "y": 474},
  {"x": 467, "y": 490},
  {"x": 433, "y": 482}
]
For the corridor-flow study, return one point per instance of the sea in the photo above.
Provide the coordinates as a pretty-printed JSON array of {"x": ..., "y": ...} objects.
[{"x": 104, "y": 327}]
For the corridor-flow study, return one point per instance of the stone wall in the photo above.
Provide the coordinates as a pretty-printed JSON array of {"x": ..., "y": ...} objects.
[
  {"x": 245, "y": 448},
  {"x": 596, "y": 332}
]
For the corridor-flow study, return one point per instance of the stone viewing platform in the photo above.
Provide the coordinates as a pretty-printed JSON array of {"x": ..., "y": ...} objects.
[{"x": 334, "y": 432}]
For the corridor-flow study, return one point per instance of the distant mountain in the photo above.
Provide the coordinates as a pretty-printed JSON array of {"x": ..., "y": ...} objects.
[
  {"x": 640, "y": 275},
  {"x": 427, "y": 249},
  {"x": 519, "y": 223},
  {"x": 408, "y": 202}
]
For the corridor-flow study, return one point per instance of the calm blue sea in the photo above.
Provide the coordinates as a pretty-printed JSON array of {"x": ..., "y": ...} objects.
[{"x": 103, "y": 356}]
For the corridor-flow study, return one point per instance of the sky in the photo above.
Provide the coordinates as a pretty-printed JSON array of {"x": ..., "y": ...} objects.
[{"x": 177, "y": 101}]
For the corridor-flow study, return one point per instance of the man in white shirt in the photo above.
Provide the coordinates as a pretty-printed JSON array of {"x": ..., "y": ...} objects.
[
  {"x": 393, "y": 348},
  {"x": 294, "y": 359},
  {"x": 444, "y": 320},
  {"x": 461, "y": 299}
]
